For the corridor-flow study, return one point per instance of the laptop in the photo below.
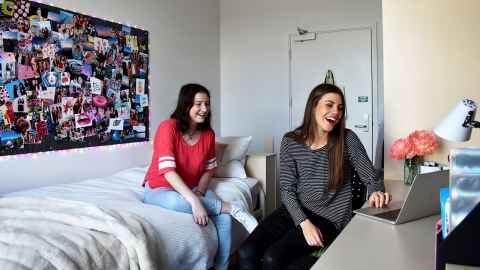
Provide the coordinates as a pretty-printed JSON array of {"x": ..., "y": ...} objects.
[{"x": 422, "y": 200}]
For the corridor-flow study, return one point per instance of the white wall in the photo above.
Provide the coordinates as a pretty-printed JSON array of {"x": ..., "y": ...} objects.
[
  {"x": 184, "y": 47},
  {"x": 254, "y": 57},
  {"x": 432, "y": 54}
]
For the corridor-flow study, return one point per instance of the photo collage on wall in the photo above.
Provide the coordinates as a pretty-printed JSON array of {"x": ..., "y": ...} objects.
[{"x": 69, "y": 80}]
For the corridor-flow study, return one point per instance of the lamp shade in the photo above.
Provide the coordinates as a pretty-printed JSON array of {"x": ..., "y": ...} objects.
[{"x": 451, "y": 128}]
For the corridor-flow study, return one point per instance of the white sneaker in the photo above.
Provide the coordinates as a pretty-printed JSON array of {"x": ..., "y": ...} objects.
[{"x": 244, "y": 217}]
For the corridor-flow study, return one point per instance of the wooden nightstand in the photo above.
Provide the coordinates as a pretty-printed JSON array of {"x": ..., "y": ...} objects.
[{"x": 262, "y": 166}]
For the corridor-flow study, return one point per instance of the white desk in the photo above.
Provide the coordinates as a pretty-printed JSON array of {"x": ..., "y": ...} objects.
[{"x": 369, "y": 244}]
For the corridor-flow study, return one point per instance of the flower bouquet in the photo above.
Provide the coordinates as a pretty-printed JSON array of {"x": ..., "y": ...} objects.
[{"x": 412, "y": 149}]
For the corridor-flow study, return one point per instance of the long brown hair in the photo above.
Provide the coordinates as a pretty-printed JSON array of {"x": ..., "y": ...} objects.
[{"x": 305, "y": 133}]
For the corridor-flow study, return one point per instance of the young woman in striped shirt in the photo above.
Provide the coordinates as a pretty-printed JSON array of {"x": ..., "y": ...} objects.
[
  {"x": 182, "y": 165},
  {"x": 316, "y": 162}
]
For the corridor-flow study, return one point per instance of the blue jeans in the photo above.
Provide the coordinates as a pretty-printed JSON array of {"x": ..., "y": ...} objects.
[{"x": 172, "y": 200}]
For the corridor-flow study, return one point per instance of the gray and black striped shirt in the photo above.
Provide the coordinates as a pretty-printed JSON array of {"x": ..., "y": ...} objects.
[{"x": 304, "y": 180}]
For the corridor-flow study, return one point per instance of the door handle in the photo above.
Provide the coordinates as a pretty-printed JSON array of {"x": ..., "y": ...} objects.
[
  {"x": 360, "y": 126},
  {"x": 363, "y": 126}
]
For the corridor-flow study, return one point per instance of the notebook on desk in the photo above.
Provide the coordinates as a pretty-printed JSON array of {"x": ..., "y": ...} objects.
[{"x": 422, "y": 200}]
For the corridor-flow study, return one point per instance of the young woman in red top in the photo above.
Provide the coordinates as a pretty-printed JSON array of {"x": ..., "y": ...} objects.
[{"x": 182, "y": 165}]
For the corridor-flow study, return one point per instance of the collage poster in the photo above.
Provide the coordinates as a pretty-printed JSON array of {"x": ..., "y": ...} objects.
[{"x": 68, "y": 80}]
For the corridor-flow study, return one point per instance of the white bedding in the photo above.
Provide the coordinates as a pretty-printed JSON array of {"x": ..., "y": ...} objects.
[
  {"x": 47, "y": 234},
  {"x": 184, "y": 244}
]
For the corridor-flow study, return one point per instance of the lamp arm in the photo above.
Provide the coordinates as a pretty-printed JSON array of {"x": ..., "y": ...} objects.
[
  {"x": 469, "y": 122},
  {"x": 475, "y": 124}
]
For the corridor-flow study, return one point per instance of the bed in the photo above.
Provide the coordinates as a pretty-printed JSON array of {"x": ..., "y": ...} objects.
[{"x": 169, "y": 240}]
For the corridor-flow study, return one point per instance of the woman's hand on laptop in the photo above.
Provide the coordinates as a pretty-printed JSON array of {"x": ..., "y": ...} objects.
[{"x": 379, "y": 199}]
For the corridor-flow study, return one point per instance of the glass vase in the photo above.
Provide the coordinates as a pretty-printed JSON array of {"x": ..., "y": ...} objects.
[{"x": 411, "y": 168}]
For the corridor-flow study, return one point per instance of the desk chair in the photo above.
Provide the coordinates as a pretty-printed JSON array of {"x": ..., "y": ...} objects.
[{"x": 359, "y": 191}]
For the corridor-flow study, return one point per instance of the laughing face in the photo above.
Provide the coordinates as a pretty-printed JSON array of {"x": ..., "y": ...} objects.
[
  {"x": 328, "y": 111},
  {"x": 200, "y": 109}
]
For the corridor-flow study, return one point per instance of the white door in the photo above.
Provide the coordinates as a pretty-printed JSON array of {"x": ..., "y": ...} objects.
[{"x": 348, "y": 54}]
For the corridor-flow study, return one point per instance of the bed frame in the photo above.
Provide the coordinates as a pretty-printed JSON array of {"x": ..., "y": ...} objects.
[{"x": 262, "y": 167}]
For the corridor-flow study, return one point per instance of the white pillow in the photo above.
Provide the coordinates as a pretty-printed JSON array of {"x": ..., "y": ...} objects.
[
  {"x": 233, "y": 169},
  {"x": 236, "y": 149}
]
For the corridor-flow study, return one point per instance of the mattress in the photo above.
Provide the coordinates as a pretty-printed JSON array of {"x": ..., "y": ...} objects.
[{"x": 186, "y": 243}]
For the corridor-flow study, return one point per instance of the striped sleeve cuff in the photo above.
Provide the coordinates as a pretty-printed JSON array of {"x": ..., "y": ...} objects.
[
  {"x": 298, "y": 216},
  {"x": 375, "y": 186},
  {"x": 293, "y": 207},
  {"x": 166, "y": 164},
  {"x": 211, "y": 164}
]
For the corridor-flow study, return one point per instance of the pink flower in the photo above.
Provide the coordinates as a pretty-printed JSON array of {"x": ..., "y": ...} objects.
[
  {"x": 418, "y": 143},
  {"x": 401, "y": 149},
  {"x": 423, "y": 141}
]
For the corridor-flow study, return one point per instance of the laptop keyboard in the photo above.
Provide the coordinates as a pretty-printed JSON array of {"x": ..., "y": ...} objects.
[{"x": 389, "y": 215}]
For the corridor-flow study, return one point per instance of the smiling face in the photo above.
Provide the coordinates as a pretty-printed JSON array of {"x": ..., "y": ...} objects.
[
  {"x": 200, "y": 108},
  {"x": 51, "y": 78},
  {"x": 328, "y": 112}
]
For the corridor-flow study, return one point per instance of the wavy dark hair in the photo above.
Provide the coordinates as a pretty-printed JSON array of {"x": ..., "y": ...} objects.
[
  {"x": 185, "y": 101},
  {"x": 305, "y": 133}
]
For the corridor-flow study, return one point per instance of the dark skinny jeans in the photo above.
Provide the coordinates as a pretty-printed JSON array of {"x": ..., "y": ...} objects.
[{"x": 277, "y": 243}]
